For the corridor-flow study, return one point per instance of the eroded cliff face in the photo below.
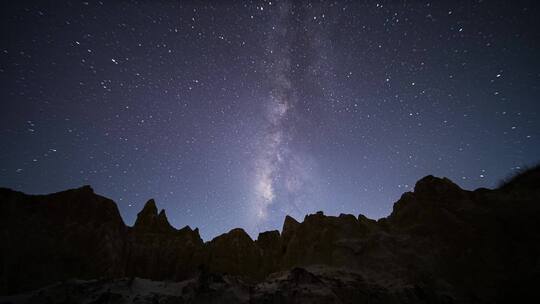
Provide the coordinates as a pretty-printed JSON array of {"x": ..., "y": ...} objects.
[
  {"x": 453, "y": 244},
  {"x": 158, "y": 251}
]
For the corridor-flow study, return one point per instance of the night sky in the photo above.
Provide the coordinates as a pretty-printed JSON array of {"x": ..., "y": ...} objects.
[{"x": 234, "y": 114}]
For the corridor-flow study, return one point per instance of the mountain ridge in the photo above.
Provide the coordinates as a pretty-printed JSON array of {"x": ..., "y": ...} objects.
[
  {"x": 467, "y": 246},
  {"x": 151, "y": 203}
]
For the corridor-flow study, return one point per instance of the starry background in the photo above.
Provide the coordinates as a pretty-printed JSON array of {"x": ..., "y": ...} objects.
[{"x": 233, "y": 114}]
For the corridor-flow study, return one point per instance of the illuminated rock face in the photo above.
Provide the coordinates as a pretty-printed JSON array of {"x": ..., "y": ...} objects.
[{"x": 440, "y": 243}]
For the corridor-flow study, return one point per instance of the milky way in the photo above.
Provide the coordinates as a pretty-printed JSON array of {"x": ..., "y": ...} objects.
[
  {"x": 272, "y": 169},
  {"x": 233, "y": 114}
]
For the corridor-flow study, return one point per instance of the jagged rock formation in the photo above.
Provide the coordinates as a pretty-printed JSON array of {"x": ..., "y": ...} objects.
[
  {"x": 157, "y": 250},
  {"x": 441, "y": 244}
]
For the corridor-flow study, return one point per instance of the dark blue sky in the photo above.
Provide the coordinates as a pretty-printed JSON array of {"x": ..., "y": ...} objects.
[{"x": 234, "y": 114}]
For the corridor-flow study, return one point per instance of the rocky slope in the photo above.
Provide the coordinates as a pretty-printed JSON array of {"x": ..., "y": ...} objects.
[{"x": 441, "y": 244}]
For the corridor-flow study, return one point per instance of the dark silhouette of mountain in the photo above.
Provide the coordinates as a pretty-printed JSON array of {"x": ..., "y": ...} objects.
[{"x": 440, "y": 244}]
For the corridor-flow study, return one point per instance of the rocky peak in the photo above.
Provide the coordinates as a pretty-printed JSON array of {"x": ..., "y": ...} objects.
[
  {"x": 187, "y": 230},
  {"x": 196, "y": 233},
  {"x": 523, "y": 182},
  {"x": 347, "y": 218},
  {"x": 289, "y": 227},
  {"x": 318, "y": 214},
  {"x": 86, "y": 188},
  {"x": 191, "y": 234},
  {"x": 234, "y": 236},
  {"x": 290, "y": 223},
  {"x": 149, "y": 210},
  {"x": 239, "y": 234},
  {"x": 431, "y": 186},
  {"x": 234, "y": 253},
  {"x": 148, "y": 220}
]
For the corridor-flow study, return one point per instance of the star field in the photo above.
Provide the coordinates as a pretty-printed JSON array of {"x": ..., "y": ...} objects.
[{"x": 234, "y": 114}]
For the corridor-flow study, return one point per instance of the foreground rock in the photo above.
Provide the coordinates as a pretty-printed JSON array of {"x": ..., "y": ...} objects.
[
  {"x": 299, "y": 285},
  {"x": 441, "y": 244}
]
